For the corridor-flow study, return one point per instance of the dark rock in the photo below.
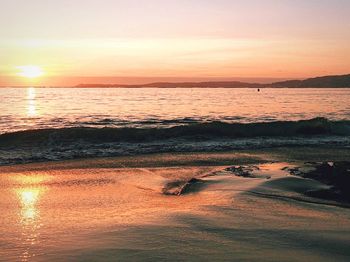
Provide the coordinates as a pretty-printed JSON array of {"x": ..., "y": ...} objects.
[
  {"x": 246, "y": 171},
  {"x": 181, "y": 187},
  {"x": 334, "y": 174}
]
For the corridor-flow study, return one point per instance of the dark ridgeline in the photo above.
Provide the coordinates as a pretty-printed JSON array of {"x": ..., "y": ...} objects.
[
  {"x": 340, "y": 81},
  {"x": 319, "y": 82},
  {"x": 214, "y": 84}
]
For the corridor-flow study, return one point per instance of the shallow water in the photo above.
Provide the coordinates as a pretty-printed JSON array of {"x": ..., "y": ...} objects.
[
  {"x": 33, "y": 108},
  {"x": 121, "y": 214},
  {"x": 47, "y": 213}
]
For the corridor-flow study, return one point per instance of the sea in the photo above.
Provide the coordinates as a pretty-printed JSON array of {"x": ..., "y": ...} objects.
[
  {"x": 45, "y": 124},
  {"x": 120, "y": 209}
]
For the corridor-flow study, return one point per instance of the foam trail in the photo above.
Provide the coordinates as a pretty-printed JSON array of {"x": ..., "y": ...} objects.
[{"x": 81, "y": 142}]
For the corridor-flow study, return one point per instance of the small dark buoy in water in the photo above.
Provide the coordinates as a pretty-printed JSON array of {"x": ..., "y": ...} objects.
[{"x": 258, "y": 89}]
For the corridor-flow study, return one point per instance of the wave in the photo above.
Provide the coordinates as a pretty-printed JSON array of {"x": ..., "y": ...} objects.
[
  {"x": 80, "y": 142},
  {"x": 315, "y": 126}
]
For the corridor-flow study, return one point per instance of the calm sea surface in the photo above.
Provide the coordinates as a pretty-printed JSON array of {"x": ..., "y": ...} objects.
[
  {"x": 120, "y": 214},
  {"x": 33, "y": 108}
]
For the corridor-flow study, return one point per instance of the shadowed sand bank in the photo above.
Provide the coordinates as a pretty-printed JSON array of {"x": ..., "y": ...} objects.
[{"x": 115, "y": 209}]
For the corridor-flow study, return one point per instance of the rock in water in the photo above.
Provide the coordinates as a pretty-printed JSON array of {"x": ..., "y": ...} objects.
[{"x": 181, "y": 187}]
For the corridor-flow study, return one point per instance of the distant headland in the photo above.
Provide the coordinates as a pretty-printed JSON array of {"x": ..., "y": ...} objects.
[{"x": 334, "y": 81}]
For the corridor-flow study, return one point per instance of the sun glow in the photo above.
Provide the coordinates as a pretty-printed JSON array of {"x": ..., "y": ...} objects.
[{"x": 30, "y": 71}]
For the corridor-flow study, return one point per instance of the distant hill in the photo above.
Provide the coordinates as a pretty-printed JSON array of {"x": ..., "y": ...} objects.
[
  {"x": 338, "y": 81},
  {"x": 319, "y": 82},
  {"x": 224, "y": 84}
]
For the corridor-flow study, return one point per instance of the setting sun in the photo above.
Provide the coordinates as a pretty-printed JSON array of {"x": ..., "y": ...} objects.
[
  {"x": 186, "y": 130},
  {"x": 30, "y": 71}
]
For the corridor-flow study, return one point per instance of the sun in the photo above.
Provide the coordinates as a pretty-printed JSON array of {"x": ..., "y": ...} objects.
[{"x": 30, "y": 71}]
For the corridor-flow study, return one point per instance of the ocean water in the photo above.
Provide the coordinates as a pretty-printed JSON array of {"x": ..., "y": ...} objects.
[
  {"x": 80, "y": 211},
  {"x": 35, "y": 108},
  {"x": 41, "y": 124}
]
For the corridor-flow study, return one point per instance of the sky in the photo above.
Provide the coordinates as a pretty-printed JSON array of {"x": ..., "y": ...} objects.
[{"x": 84, "y": 41}]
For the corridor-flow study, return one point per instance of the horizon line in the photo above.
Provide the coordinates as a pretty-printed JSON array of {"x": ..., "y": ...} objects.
[{"x": 146, "y": 84}]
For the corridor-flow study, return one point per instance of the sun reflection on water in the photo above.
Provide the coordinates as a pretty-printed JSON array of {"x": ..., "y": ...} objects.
[
  {"x": 31, "y": 103},
  {"x": 29, "y": 198},
  {"x": 30, "y": 191}
]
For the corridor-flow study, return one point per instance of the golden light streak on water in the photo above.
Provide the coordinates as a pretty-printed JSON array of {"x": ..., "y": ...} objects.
[
  {"x": 29, "y": 191},
  {"x": 31, "y": 102}
]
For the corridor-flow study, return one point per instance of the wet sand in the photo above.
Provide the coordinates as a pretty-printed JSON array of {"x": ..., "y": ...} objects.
[{"x": 115, "y": 209}]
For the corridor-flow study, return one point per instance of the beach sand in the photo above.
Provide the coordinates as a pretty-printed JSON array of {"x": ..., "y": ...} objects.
[{"x": 117, "y": 209}]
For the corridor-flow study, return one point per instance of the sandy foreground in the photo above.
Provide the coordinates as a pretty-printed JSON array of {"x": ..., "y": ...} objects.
[{"x": 115, "y": 209}]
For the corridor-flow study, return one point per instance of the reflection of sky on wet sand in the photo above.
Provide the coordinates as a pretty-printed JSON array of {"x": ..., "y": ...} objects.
[
  {"x": 83, "y": 214},
  {"x": 28, "y": 198},
  {"x": 29, "y": 217},
  {"x": 29, "y": 193}
]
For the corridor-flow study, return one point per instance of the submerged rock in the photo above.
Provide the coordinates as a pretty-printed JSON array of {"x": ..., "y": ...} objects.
[
  {"x": 247, "y": 171},
  {"x": 334, "y": 174},
  {"x": 181, "y": 187}
]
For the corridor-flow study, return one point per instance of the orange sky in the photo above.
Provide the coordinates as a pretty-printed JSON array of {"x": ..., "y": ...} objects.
[{"x": 87, "y": 41}]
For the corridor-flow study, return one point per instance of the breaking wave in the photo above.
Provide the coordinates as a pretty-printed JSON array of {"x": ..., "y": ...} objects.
[{"x": 79, "y": 142}]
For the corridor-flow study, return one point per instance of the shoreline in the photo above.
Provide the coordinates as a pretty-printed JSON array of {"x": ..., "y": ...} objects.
[
  {"x": 220, "y": 158},
  {"x": 184, "y": 206}
]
